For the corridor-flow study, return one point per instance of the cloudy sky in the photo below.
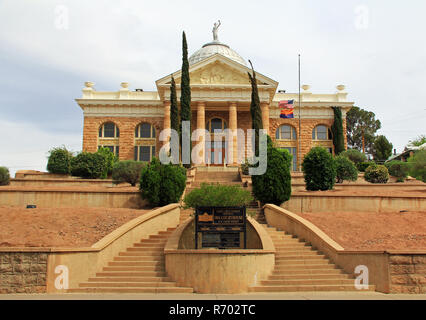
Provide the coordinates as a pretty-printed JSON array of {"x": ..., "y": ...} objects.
[{"x": 49, "y": 48}]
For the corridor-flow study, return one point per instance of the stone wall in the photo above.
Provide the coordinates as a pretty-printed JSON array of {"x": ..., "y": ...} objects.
[
  {"x": 407, "y": 273},
  {"x": 23, "y": 272}
]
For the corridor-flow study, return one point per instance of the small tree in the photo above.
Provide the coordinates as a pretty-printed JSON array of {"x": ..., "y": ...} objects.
[
  {"x": 362, "y": 166},
  {"x": 162, "y": 184},
  {"x": 59, "y": 161},
  {"x": 255, "y": 112},
  {"x": 110, "y": 160},
  {"x": 127, "y": 171},
  {"x": 376, "y": 174},
  {"x": 274, "y": 186},
  {"x": 354, "y": 155},
  {"x": 418, "y": 165},
  {"x": 337, "y": 130},
  {"x": 419, "y": 140},
  {"x": 217, "y": 195},
  {"x": 319, "y": 169},
  {"x": 382, "y": 148},
  {"x": 345, "y": 169},
  {"x": 88, "y": 165},
  {"x": 185, "y": 89},
  {"x": 398, "y": 169},
  {"x": 4, "y": 176}
]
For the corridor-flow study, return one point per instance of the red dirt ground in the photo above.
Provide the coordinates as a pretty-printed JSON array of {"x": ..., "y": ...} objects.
[
  {"x": 60, "y": 227},
  {"x": 373, "y": 231}
]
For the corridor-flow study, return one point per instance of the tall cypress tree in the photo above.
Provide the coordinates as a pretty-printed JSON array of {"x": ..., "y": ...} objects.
[
  {"x": 185, "y": 97},
  {"x": 256, "y": 113},
  {"x": 174, "y": 111},
  {"x": 337, "y": 130}
]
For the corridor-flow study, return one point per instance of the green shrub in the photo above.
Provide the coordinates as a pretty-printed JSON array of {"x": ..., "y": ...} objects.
[
  {"x": 345, "y": 169},
  {"x": 376, "y": 174},
  {"x": 362, "y": 166},
  {"x": 319, "y": 169},
  {"x": 274, "y": 186},
  {"x": 217, "y": 195},
  {"x": 110, "y": 160},
  {"x": 398, "y": 169},
  {"x": 127, "y": 171},
  {"x": 59, "y": 161},
  {"x": 88, "y": 165},
  {"x": 417, "y": 165},
  {"x": 4, "y": 176},
  {"x": 354, "y": 155},
  {"x": 162, "y": 184},
  {"x": 245, "y": 167}
]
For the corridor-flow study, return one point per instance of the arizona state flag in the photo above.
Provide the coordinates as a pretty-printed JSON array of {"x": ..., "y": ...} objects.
[{"x": 286, "y": 108}]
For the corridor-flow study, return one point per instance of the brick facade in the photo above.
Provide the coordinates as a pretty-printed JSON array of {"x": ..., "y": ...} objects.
[
  {"x": 23, "y": 272},
  {"x": 127, "y": 126}
]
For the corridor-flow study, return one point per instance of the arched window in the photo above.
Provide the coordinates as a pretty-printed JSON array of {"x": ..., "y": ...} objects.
[
  {"x": 215, "y": 124},
  {"x": 144, "y": 142},
  {"x": 108, "y": 137},
  {"x": 109, "y": 130},
  {"x": 321, "y": 132},
  {"x": 145, "y": 130},
  {"x": 285, "y": 132}
]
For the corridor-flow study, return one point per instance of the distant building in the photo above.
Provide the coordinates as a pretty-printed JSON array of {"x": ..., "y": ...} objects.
[
  {"x": 409, "y": 150},
  {"x": 129, "y": 122}
]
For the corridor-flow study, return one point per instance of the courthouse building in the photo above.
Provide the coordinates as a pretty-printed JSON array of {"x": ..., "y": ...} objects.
[{"x": 129, "y": 122}]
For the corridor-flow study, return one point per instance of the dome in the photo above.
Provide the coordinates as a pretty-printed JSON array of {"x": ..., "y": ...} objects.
[{"x": 212, "y": 48}]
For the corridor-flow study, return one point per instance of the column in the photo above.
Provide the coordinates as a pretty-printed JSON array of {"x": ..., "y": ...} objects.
[
  {"x": 233, "y": 127},
  {"x": 166, "y": 117},
  {"x": 201, "y": 124},
  {"x": 265, "y": 116}
]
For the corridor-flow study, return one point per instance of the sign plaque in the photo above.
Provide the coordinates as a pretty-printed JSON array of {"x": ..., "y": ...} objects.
[{"x": 220, "y": 227}]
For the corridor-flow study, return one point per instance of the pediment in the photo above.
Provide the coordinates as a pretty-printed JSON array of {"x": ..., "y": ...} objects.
[{"x": 218, "y": 70}]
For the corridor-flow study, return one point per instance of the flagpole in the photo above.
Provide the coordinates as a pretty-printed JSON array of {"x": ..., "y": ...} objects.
[{"x": 300, "y": 128}]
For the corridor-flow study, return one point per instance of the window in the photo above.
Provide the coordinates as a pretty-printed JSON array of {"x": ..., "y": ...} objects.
[
  {"x": 321, "y": 132},
  {"x": 285, "y": 132},
  {"x": 113, "y": 149},
  {"x": 144, "y": 153},
  {"x": 293, "y": 152},
  {"x": 145, "y": 131},
  {"x": 215, "y": 124},
  {"x": 109, "y": 130}
]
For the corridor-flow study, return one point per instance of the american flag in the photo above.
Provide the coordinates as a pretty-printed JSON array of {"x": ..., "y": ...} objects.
[{"x": 286, "y": 108}]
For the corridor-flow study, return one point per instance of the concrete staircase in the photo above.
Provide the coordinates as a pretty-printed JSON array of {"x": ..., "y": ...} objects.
[
  {"x": 298, "y": 267},
  {"x": 139, "y": 269},
  {"x": 216, "y": 177}
]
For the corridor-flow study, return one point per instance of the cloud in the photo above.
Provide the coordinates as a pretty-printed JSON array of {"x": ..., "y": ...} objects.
[
  {"x": 25, "y": 147},
  {"x": 383, "y": 65}
]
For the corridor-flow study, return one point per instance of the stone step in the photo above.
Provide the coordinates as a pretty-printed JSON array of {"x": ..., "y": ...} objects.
[
  {"x": 162, "y": 240},
  {"x": 160, "y": 236},
  {"x": 308, "y": 256},
  {"x": 148, "y": 260},
  {"x": 132, "y": 290},
  {"x": 150, "y": 249},
  {"x": 150, "y": 245},
  {"x": 149, "y": 254},
  {"x": 294, "y": 288},
  {"x": 130, "y": 273},
  {"x": 126, "y": 278},
  {"x": 306, "y": 276},
  {"x": 126, "y": 284},
  {"x": 149, "y": 270},
  {"x": 311, "y": 262},
  {"x": 148, "y": 265},
  {"x": 294, "y": 269},
  {"x": 308, "y": 282}
]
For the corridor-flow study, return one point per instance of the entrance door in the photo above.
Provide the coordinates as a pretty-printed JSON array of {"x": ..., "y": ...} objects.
[{"x": 216, "y": 153}]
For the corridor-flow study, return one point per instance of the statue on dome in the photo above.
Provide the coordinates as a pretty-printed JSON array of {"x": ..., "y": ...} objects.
[{"x": 216, "y": 26}]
